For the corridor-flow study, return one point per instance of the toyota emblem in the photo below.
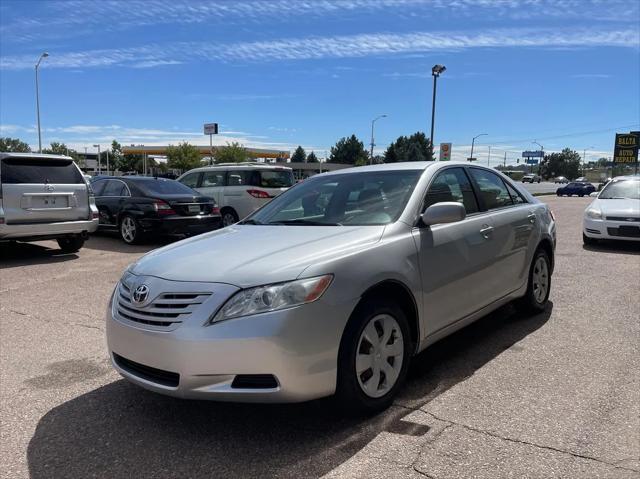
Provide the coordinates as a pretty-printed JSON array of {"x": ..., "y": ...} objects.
[{"x": 140, "y": 294}]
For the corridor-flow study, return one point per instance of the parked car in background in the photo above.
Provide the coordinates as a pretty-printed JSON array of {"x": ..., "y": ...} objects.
[
  {"x": 138, "y": 206},
  {"x": 576, "y": 188},
  {"x": 239, "y": 189},
  {"x": 615, "y": 213},
  {"x": 582, "y": 179},
  {"x": 561, "y": 180},
  {"x": 333, "y": 286},
  {"x": 531, "y": 178},
  {"x": 45, "y": 197}
]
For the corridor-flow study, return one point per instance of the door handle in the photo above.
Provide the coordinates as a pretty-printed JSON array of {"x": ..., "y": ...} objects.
[
  {"x": 532, "y": 217},
  {"x": 486, "y": 232}
]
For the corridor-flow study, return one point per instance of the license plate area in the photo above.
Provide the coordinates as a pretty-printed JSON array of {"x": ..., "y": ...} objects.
[
  {"x": 40, "y": 202},
  {"x": 194, "y": 209}
]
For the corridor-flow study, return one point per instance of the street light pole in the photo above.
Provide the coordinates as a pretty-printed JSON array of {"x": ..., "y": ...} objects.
[
  {"x": 489, "y": 157},
  {"x": 436, "y": 70},
  {"x": 584, "y": 158},
  {"x": 541, "y": 149},
  {"x": 373, "y": 122},
  {"x": 98, "y": 146},
  {"x": 473, "y": 140},
  {"x": 44, "y": 55}
]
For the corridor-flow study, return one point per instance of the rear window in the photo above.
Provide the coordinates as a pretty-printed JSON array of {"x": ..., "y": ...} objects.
[
  {"x": 165, "y": 187},
  {"x": 263, "y": 178},
  {"x": 31, "y": 170}
]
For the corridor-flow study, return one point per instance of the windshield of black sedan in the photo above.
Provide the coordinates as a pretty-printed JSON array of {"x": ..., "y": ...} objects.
[
  {"x": 621, "y": 189},
  {"x": 372, "y": 198}
]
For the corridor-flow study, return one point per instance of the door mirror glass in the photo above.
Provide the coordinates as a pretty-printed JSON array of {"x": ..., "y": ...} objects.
[{"x": 445, "y": 212}]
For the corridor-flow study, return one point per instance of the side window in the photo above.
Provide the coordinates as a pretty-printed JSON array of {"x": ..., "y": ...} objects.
[
  {"x": 98, "y": 187},
  {"x": 452, "y": 185},
  {"x": 515, "y": 196},
  {"x": 236, "y": 177},
  {"x": 114, "y": 188},
  {"x": 191, "y": 180},
  {"x": 493, "y": 190},
  {"x": 212, "y": 178}
]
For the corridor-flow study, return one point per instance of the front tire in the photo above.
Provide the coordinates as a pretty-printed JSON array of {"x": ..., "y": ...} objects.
[
  {"x": 229, "y": 217},
  {"x": 535, "y": 299},
  {"x": 70, "y": 245},
  {"x": 374, "y": 357}
]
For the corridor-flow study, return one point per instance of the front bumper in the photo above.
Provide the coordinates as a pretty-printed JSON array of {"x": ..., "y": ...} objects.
[
  {"x": 298, "y": 346},
  {"x": 609, "y": 230},
  {"x": 47, "y": 230},
  {"x": 190, "y": 225}
]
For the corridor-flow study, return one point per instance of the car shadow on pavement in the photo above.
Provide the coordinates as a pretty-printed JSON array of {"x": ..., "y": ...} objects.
[
  {"x": 616, "y": 247},
  {"x": 14, "y": 254},
  {"x": 120, "y": 430}
]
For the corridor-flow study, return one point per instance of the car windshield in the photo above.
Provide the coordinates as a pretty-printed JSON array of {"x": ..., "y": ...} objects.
[
  {"x": 621, "y": 189},
  {"x": 374, "y": 198},
  {"x": 160, "y": 186}
]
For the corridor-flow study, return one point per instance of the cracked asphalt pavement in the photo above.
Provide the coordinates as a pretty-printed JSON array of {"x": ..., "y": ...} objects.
[{"x": 549, "y": 396}]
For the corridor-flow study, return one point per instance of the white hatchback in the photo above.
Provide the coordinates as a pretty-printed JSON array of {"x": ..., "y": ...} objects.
[
  {"x": 615, "y": 213},
  {"x": 239, "y": 189}
]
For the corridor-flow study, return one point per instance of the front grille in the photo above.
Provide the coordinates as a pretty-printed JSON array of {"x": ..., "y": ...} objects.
[
  {"x": 625, "y": 231},
  {"x": 167, "y": 310},
  {"x": 624, "y": 218},
  {"x": 254, "y": 381},
  {"x": 154, "y": 375}
]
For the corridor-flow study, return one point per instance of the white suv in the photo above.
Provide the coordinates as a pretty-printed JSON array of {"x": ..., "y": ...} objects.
[
  {"x": 239, "y": 188},
  {"x": 45, "y": 197}
]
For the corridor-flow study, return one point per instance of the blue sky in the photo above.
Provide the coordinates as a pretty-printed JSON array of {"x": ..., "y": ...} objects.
[{"x": 281, "y": 73}]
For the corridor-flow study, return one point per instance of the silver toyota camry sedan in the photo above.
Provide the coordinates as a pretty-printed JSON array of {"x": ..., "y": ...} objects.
[{"x": 333, "y": 286}]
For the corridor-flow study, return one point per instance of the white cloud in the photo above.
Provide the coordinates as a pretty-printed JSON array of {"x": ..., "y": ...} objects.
[{"x": 345, "y": 46}]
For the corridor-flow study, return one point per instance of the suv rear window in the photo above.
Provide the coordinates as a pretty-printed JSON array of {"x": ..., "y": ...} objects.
[{"x": 38, "y": 171}]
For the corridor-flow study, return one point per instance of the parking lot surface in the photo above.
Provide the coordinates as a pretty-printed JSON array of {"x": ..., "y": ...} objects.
[{"x": 553, "y": 395}]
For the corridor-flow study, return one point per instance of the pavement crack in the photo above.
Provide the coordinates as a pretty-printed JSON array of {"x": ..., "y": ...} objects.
[
  {"x": 526, "y": 443},
  {"x": 18, "y": 312},
  {"x": 88, "y": 326},
  {"x": 422, "y": 473}
]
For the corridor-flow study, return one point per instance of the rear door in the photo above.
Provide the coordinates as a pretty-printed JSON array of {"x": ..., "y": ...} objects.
[
  {"x": 110, "y": 201},
  {"x": 212, "y": 185},
  {"x": 513, "y": 221},
  {"x": 43, "y": 190}
]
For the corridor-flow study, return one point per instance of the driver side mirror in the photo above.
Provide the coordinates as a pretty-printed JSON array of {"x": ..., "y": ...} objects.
[{"x": 445, "y": 212}]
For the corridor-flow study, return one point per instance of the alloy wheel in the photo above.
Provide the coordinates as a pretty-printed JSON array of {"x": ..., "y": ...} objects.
[
  {"x": 228, "y": 219},
  {"x": 379, "y": 355},
  {"x": 540, "y": 280},
  {"x": 128, "y": 229}
]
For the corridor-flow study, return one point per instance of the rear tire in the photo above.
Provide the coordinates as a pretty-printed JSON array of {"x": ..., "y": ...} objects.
[
  {"x": 535, "y": 299},
  {"x": 229, "y": 217},
  {"x": 371, "y": 369},
  {"x": 71, "y": 244},
  {"x": 130, "y": 230}
]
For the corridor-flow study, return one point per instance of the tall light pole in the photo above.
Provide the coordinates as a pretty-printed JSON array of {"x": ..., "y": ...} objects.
[
  {"x": 373, "y": 122},
  {"x": 473, "y": 140},
  {"x": 98, "y": 147},
  {"x": 542, "y": 159},
  {"x": 44, "y": 55},
  {"x": 489, "y": 157},
  {"x": 584, "y": 157},
  {"x": 436, "y": 70}
]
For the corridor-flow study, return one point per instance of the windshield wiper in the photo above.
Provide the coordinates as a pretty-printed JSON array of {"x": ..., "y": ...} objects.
[{"x": 303, "y": 222}]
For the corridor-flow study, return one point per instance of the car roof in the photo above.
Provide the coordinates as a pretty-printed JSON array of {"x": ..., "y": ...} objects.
[{"x": 34, "y": 156}]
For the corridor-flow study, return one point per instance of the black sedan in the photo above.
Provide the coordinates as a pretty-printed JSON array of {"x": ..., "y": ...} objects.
[
  {"x": 576, "y": 188},
  {"x": 139, "y": 206}
]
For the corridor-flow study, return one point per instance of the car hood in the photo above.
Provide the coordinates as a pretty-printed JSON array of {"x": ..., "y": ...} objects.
[
  {"x": 251, "y": 255},
  {"x": 622, "y": 207}
]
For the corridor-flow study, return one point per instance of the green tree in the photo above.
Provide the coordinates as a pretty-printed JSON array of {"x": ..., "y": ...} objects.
[
  {"x": 116, "y": 156},
  {"x": 231, "y": 153},
  {"x": 14, "y": 145},
  {"x": 56, "y": 148},
  {"x": 566, "y": 163},
  {"x": 349, "y": 151},
  {"x": 299, "y": 156},
  {"x": 183, "y": 157},
  {"x": 413, "y": 148},
  {"x": 312, "y": 158}
]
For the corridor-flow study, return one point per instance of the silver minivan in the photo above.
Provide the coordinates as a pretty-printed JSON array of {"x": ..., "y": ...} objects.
[
  {"x": 45, "y": 197},
  {"x": 239, "y": 189}
]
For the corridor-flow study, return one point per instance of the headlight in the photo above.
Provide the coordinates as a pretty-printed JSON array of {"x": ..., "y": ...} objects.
[
  {"x": 594, "y": 213},
  {"x": 273, "y": 297}
]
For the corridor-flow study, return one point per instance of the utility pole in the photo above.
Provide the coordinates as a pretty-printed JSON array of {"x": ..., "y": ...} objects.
[
  {"x": 505, "y": 159},
  {"x": 489, "y": 157},
  {"x": 44, "y": 55}
]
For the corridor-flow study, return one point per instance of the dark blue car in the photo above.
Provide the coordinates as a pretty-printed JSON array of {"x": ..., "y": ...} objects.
[{"x": 579, "y": 188}]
